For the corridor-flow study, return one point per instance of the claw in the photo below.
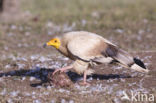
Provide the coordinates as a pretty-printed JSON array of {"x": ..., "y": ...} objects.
[
  {"x": 58, "y": 70},
  {"x": 62, "y": 69}
]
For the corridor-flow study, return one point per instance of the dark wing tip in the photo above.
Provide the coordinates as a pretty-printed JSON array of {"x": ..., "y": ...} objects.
[{"x": 139, "y": 62}]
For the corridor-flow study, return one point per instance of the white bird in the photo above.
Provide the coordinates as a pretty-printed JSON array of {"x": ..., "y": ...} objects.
[{"x": 88, "y": 49}]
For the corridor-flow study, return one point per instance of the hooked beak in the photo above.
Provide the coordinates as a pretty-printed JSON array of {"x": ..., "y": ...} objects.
[{"x": 45, "y": 45}]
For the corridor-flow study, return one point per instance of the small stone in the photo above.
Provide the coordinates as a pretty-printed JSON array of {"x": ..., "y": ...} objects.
[
  {"x": 63, "y": 101},
  {"x": 52, "y": 101},
  {"x": 37, "y": 101},
  {"x": 32, "y": 78},
  {"x": 71, "y": 101}
]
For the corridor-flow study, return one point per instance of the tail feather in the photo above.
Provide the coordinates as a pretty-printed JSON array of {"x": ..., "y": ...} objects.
[
  {"x": 128, "y": 61},
  {"x": 123, "y": 58},
  {"x": 139, "y": 68}
]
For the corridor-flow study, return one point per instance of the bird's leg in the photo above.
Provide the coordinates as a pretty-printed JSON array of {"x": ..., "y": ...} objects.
[
  {"x": 63, "y": 69},
  {"x": 85, "y": 79}
]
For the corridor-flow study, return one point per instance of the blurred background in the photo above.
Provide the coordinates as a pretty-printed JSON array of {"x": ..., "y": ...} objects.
[{"x": 26, "y": 24}]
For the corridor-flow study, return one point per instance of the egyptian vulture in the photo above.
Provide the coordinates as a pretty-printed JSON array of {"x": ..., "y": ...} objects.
[{"x": 88, "y": 49}]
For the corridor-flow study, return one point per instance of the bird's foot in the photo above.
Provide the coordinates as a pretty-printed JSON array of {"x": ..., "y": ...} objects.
[
  {"x": 62, "y": 69},
  {"x": 84, "y": 83},
  {"x": 59, "y": 70}
]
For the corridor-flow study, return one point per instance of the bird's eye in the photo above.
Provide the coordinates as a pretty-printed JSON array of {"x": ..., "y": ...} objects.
[{"x": 55, "y": 41}]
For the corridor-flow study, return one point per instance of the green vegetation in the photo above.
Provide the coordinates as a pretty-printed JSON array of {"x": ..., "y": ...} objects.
[
  {"x": 125, "y": 22},
  {"x": 103, "y": 13}
]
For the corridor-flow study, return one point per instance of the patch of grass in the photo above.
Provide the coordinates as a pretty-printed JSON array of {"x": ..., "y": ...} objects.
[
  {"x": 99, "y": 16},
  {"x": 103, "y": 17},
  {"x": 107, "y": 13}
]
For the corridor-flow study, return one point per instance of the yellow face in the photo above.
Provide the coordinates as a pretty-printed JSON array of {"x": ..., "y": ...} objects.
[{"x": 55, "y": 42}]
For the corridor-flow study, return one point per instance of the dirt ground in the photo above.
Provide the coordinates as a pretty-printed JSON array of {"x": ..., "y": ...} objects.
[{"x": 24, "y": 81}]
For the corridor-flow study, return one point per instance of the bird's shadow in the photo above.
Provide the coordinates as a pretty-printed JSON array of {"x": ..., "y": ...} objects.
[{"x": 42, "y": 74}]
